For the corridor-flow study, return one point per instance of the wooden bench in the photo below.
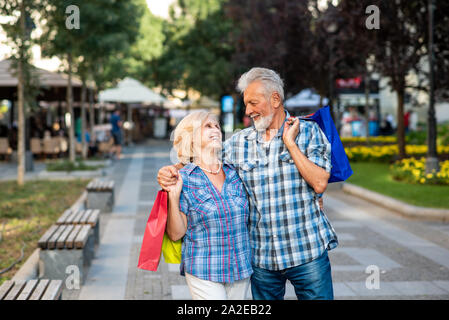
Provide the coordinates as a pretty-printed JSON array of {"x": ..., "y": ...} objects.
[
  {"x": 35, "y": 289},
  {"x": 66, "y": 245},
  {"x": 82, "y": 217},
  {"x": 100, "y": 195}
]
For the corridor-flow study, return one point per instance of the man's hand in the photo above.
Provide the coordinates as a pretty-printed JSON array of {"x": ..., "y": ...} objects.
[
  {"x": 167, "y": 177},
  {"x": 291, "y": 130}
]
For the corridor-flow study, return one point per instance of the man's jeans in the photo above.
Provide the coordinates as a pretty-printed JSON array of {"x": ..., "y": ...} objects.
[{"x": 312, "y": 281}]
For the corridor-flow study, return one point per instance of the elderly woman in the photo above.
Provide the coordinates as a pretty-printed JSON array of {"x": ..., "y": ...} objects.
[{"x": 208, "y": 206}]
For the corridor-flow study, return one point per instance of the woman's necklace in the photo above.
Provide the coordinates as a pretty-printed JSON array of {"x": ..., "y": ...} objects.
[{"x": 210, "y": 171}]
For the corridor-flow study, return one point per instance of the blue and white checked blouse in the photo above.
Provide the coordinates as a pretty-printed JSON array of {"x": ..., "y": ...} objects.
[
  {"x": 287, "y": 227},
  {"x": 216, "y": 244}
]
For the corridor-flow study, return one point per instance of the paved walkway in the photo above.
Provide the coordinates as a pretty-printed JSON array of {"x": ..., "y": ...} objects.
[{"x": 411, "y": 257}]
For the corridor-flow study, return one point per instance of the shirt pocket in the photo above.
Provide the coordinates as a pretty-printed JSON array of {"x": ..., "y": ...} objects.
[
  {"x": 248, "y": 166},
  {"x": 238, "y": 194},
  {"x": 286, "y": 157},
  {"x": 201, "y": 199}
]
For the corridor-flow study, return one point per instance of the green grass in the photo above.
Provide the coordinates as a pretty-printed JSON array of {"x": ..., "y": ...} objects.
[
  {"x": 69, "y": 166},
  {"x": 375, "y": 177},
  {"x": 27, "y": 212}
]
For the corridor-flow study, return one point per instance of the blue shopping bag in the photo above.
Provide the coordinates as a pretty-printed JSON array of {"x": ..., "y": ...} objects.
[{"x": 341, "y": 169}]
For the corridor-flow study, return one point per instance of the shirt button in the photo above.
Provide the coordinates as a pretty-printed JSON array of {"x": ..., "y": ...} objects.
[{"x": 275, "y": 236}]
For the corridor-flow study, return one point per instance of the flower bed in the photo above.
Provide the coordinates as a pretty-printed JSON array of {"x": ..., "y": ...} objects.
[
  {"x": 414, "y": 171},
  {"x": 373, "y": 141},
  {"x": 388, "y": 153}
]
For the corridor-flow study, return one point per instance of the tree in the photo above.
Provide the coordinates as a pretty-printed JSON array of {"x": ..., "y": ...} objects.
[
  {"x": 107, "y": 28},
  {"x": 197, "y": 50},
  {"x": 274, "y": 34},
  {"x": 441, "y": 47},
  {"x": 99, "y": 39},
  {"x": 18, "y": 33},
  {"x": 59, "y": 40}
]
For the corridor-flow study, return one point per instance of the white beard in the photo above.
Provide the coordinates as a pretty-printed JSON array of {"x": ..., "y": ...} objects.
[{"x": 264, "y": 122}]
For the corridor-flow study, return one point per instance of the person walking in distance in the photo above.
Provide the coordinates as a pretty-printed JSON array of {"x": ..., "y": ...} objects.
[{"x": 116, "y": 132}]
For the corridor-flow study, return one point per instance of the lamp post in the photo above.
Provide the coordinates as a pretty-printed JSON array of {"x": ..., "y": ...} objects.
[
  {"x": 432, "y": 157},
  {"x": 332, "y": 29}
]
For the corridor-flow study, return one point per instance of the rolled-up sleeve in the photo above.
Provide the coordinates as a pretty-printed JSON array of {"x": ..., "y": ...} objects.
[{"x": 319, "y": 148}]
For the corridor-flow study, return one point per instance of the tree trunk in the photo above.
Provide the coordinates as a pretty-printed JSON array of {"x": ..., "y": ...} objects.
[
  {"x": 70, "y": 110},
  {"x": 83, "y": 120},
  {"x": 21, "y": 105},
  {"x": 401, "y": 129},
  {"x": 91, "y": 112}
]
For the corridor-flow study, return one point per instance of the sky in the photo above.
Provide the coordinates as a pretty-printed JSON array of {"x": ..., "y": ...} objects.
[{"x": 159, "y": 7}]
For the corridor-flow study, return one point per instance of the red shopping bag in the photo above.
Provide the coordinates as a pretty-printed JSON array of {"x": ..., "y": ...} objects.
[{"x": 150, "y": 252}]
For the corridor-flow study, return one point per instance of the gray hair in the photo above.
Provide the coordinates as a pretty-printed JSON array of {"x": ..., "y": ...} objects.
[{"x": 271, "y": 80}]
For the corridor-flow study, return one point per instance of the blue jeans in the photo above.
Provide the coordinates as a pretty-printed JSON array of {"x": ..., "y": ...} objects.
[{"x": 312, "y": 281}]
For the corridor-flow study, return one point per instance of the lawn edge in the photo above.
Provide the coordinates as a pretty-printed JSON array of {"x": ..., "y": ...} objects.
[
  {"x": 30, "y": 268},
  {"x": 396, "y": 205}
]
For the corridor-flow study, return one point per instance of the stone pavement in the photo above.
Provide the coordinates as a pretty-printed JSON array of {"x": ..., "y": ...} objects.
[{"x": 410, "y": 258}]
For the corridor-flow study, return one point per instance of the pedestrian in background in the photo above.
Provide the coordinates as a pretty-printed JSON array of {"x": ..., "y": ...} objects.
[{"x": 116, "y": 132}]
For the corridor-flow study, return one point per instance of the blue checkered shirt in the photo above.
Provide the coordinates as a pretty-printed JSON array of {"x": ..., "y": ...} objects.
[
  {"x": 216, "y": 244},
  {"x": 287, "y": 227}
]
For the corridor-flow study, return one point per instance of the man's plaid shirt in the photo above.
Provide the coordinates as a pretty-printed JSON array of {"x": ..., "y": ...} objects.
[{"x": 287, "y": 227}]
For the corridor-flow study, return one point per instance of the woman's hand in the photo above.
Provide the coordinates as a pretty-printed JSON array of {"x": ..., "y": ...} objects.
[
  {"x": 175, "y": 190},
  {"x": 167, "y": 177},
  {"x": 291, "y": 130}
]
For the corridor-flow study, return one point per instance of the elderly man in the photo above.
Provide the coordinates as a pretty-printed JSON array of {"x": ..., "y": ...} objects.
[{"x": 285, "y": 165}]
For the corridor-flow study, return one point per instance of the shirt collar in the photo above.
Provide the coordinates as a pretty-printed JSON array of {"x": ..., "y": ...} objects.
[
  {"x": 189, "y": 167},
  {"x": 253, "y": 133}
]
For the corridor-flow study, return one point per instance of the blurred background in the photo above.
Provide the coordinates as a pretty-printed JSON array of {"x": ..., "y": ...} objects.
[{"x": 65, "y": 66}]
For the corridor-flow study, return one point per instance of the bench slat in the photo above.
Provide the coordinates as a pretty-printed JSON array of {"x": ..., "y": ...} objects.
[
  {"x": 60, "y": 243},
  {"x": 93, "y": 185},
  {"x": 81, "y": 239},
  {"x": 72, "y": 236},
  {"x": 28, "y": 290},
  {"x": 64, "y": 216},
  {"x": 70, "y": 218},
  {"x": 53, "y": 291},
  {"x": 93, "y": 219},
  {"x": 98, "y": 185},
  {"x": 43, "y": 241},
  {"x": 78, "y": 216},
  {"x": 55, "y": 236},
  {"x": 39, "y": 291},
  {"x": 15, "y": 291},
  {"x": 85, "y": 216},
  {"x": 5, "y": 288}
]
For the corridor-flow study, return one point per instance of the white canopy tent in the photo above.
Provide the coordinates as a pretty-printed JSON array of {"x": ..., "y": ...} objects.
[
  {"x": 134, "y": 94},
  {"x": 307, "y": 98},
  {"x": 131, "y": 91}
]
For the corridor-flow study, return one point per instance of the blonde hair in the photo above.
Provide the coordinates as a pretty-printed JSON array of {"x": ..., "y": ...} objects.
[{"x": 186, "y": 133}]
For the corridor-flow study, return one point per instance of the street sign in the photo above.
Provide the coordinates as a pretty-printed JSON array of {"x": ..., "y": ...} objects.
[{"x": 227, "y": 104}]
